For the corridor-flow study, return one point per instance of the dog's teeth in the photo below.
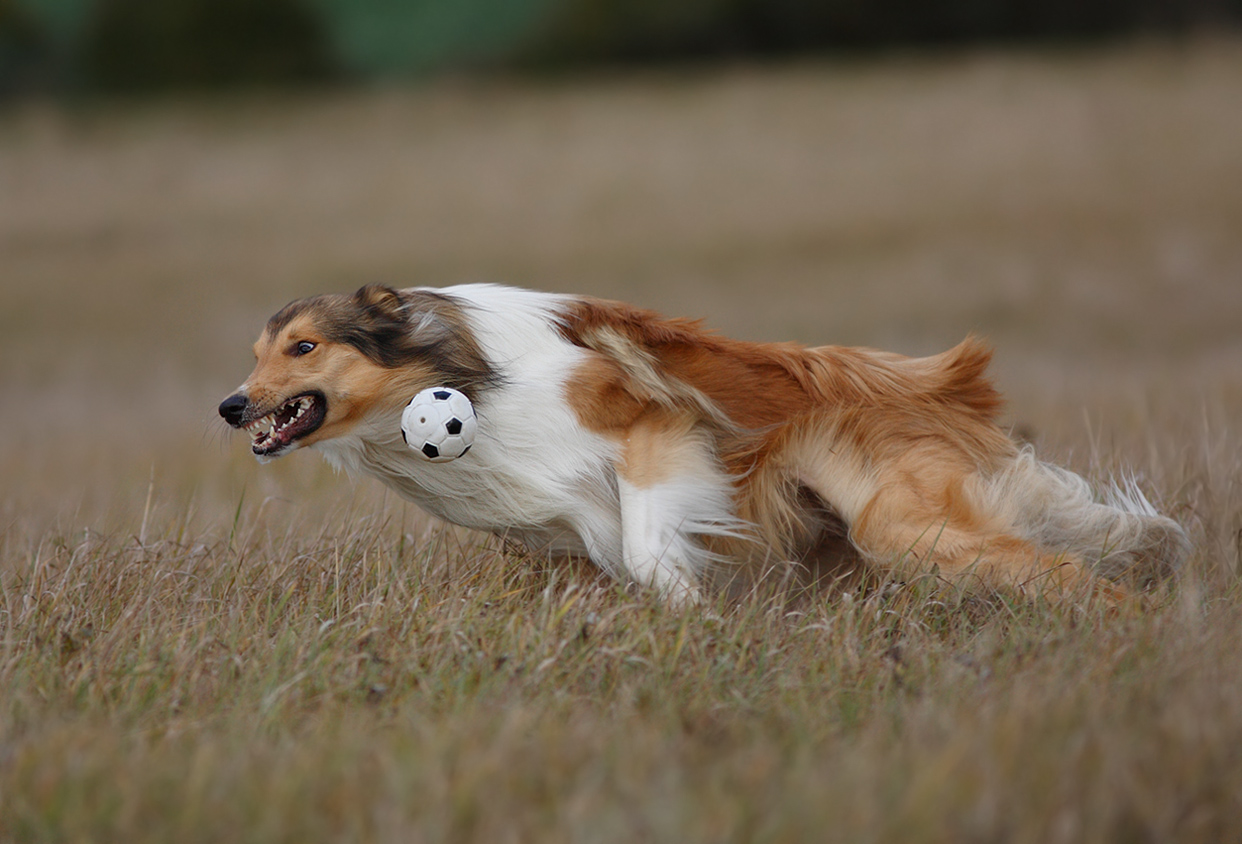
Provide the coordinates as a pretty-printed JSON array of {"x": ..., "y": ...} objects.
[{"x": 268, "y": 430}]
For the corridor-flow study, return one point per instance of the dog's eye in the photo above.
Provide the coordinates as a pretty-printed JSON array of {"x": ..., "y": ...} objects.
[{"x": 303, "y": 348}]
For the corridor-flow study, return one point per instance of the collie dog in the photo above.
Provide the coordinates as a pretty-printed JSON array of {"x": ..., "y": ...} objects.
[{"x": 672, "y": 457}]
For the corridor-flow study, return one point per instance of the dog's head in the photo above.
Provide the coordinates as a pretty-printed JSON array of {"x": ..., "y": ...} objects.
[{"x": 325, "y": 364}]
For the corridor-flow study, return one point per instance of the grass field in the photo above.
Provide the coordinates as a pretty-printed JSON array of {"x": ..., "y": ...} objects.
[{"x": 197, "y": 648}]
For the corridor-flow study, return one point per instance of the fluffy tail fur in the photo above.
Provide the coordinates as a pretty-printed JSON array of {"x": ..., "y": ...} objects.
[{"x": 1118, "y": 535}]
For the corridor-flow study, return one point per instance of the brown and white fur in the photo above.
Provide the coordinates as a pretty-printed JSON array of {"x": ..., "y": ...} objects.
[{"x": 667, "y": 454}]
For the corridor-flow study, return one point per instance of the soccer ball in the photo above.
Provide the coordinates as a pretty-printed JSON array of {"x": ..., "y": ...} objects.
[{"x": 439, "y": 423}]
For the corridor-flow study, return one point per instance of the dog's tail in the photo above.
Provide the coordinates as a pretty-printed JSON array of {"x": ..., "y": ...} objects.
[{"x": 1118, "y": 533}]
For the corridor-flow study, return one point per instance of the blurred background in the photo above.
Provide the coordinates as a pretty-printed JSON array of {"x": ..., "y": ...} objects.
[
  {"x": 1064, "y": 178},
  {"x": 143, "y": 45}
]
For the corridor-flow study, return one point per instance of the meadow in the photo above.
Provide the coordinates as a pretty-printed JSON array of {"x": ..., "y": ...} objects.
[{"x": 194, "y": 647}]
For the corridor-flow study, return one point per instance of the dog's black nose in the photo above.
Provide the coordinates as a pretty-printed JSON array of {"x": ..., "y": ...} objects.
[{"x": 233, "y": 407}]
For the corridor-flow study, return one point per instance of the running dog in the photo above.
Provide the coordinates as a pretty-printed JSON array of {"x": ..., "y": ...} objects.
[{"x": 666, "y": 454}]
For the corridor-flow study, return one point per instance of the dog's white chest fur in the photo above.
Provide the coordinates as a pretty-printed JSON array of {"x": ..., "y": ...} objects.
[{"x": 534, "y": 472}]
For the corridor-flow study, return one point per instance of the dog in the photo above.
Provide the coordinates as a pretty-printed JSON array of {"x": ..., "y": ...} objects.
[{"x": 667, "y": 454}]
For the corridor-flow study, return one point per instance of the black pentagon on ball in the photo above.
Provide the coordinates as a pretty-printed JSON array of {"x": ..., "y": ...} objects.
[
  {"x": 430, "y": 450},
  {"x": 442, "y": 395},
  {"x": 453, "y": 426}
]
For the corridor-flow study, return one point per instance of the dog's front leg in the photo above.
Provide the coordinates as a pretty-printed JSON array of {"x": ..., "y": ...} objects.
[
  {"x": 656, "y": 549},
  {"x": 672, "y": 491}
]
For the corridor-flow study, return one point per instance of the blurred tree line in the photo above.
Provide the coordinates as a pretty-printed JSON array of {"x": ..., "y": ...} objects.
[{"x": 139, "y": 45}]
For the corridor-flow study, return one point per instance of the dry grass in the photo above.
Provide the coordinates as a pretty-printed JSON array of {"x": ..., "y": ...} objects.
[{"x": 193, "y": 647}]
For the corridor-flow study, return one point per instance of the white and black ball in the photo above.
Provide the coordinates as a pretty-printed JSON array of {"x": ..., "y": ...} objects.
[{"x": 439, "y": 423}]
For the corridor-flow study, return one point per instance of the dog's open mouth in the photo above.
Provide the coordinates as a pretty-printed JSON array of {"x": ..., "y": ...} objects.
[{"x": 291, "y": 421}]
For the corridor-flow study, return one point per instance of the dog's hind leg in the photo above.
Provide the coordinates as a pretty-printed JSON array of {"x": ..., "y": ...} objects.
[
  {"x": 897, "y": 533},
  {"x": 672, "y": 492}
]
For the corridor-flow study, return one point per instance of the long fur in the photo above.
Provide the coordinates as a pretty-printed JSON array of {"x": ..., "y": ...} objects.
[{"x": 668, "y": 454}]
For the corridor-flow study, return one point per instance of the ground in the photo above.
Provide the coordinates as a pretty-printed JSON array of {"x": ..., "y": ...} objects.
[{"x": 194, "y": 647}]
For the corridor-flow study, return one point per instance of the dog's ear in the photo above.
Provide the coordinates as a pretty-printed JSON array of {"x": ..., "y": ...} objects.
[{"x": 380, "y": 301}]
